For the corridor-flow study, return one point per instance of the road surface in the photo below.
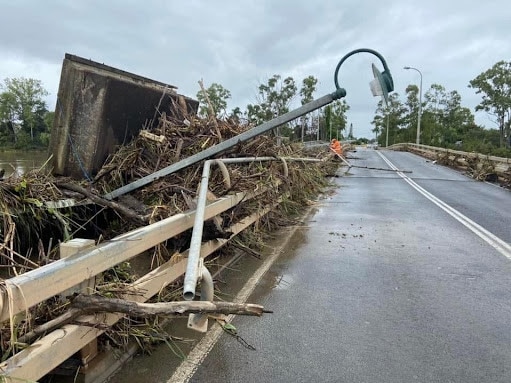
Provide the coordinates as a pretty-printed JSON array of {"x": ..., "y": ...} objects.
[{"x": 397, "y": 277}]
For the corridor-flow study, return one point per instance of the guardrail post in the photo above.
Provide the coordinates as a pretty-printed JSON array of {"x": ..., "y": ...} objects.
[
  {"x": 199, "y": 322},
  {"x": 68, "y": 249}
]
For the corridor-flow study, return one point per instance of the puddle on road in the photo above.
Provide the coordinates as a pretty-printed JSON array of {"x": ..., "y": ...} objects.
[{"x": 277, "y": 279}]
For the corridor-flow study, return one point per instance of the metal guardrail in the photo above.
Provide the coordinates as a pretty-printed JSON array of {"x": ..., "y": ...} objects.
[
  {"x": 500, "y": 166},
  {"x": 44, "y": 355},
  {"x": 35, "y": 286},
  {"x": 29, "y": 289}
]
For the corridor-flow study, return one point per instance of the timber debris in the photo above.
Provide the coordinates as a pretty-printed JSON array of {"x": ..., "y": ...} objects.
[{"x": 44, "y": 210}]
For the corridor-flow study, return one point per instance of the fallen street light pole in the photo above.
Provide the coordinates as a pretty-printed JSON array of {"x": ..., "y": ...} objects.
[
  {"x": 229, "y": 143},
  {"x": 380, "y": 86}
]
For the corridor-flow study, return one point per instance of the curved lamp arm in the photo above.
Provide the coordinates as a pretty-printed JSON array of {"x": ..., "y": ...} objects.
[{"x": 385, "y": 79}]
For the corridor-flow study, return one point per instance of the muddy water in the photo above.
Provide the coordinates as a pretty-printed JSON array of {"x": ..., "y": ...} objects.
[{"x": 21, "y": 162}]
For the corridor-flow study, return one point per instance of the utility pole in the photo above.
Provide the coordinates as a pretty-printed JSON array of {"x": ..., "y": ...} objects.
[
  {"x": 388, "y": 124},
  {"x": 317, "y": 133},
  {"x": 418, "y": 139}
]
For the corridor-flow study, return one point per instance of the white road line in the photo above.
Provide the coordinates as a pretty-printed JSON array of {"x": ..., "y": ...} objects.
[
  {"x": 492, "y": 184},
  {"x": 194, "y": 359},
  {"x": 498, "y": 244}
]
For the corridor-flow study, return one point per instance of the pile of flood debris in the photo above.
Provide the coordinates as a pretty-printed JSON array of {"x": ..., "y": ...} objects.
[{"x": 40, "y": 211}]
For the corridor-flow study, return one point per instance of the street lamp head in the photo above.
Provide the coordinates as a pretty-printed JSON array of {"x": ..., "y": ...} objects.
[
  {"x": 381, "y": 85},
  {"x": 412, "y": 68}
]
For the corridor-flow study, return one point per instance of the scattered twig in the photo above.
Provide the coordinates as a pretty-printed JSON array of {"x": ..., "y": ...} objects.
[
  {"x": 103, "y": 202},
  {"x": 246, "y": 249}
]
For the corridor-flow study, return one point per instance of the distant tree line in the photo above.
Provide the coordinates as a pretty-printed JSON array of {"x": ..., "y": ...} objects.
[
  {"x": 273, "y": 99},
  {"x": 25, "y": 121},
  {"x": 445, "y": 121}
]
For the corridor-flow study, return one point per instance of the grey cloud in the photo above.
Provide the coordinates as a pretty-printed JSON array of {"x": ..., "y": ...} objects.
[{"x": 241, "y": 43}]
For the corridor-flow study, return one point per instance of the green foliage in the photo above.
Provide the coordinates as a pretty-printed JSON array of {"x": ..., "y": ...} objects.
[
  {"x": 44, "y": 138},
  {"x": 480, "y": 140},
  {"x": 23, "y": 141},
  {"x": 22, "y": 112},
  {"x": 236, "y": 114},
  {"x": 335, "y": 120},
  {"x": 394, "y": 117},
  {"x": 218, "y": 97},
  {"x": 338, "y": 116},
  {"x": 256, "y": 114},
  {"x": 500, "y": 152},
  {"x": 444, "y": 120},
  {"x": 274, "y": 98},
  {"x": 308, "y": 88},
  {"x": 494, "y": 85},
  {"x": 361, "y": 141},
  {"x": 48, "y": 120}
]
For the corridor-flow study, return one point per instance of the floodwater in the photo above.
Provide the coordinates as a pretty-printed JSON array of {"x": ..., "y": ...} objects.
[{"x": 19, "y": 162}]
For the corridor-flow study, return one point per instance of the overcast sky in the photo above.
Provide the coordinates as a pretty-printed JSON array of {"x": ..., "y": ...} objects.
[{"x": 241, "y": 43}]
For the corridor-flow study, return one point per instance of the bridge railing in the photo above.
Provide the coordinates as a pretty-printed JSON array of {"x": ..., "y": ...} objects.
[{"x": 480, "y": 165}]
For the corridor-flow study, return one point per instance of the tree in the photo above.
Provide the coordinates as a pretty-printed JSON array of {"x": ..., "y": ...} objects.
[
  {"x": 236, "y": 115},
  {"x": 394, "y": 117},
  {"x": 457, "y": 119},
  {"x": 444, "y": 122},
  {"x": 334, "y": 119},
  {"x": 308, "y": 88},
  {"x": 495, "y": 87},
  {"x": 444, "y": 119},
  {"x": 412, "y": 106},
  {"x": 217, "y": 96},
  {"x": 434, "y": 109},
  {"x": 273, "y": 99},
  {"x": 22, "y": 107},
  {"x": 338, "y": 119},
  {"x": 307, "y": 93},
  {"x": 44, "y": 137}
]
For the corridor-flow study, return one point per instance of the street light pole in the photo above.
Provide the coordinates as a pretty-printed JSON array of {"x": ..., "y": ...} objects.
[
  {"x": 317, "y": 133},
  {"x": 388, "y": 124},
  {"x": 420, "y": 105}
]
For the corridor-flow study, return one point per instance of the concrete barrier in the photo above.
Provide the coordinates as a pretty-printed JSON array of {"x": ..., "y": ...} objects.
[{"x": 100, "y": 107}]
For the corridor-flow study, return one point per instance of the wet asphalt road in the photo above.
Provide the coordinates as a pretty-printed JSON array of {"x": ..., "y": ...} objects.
[{"x": 383, "y": 286}]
